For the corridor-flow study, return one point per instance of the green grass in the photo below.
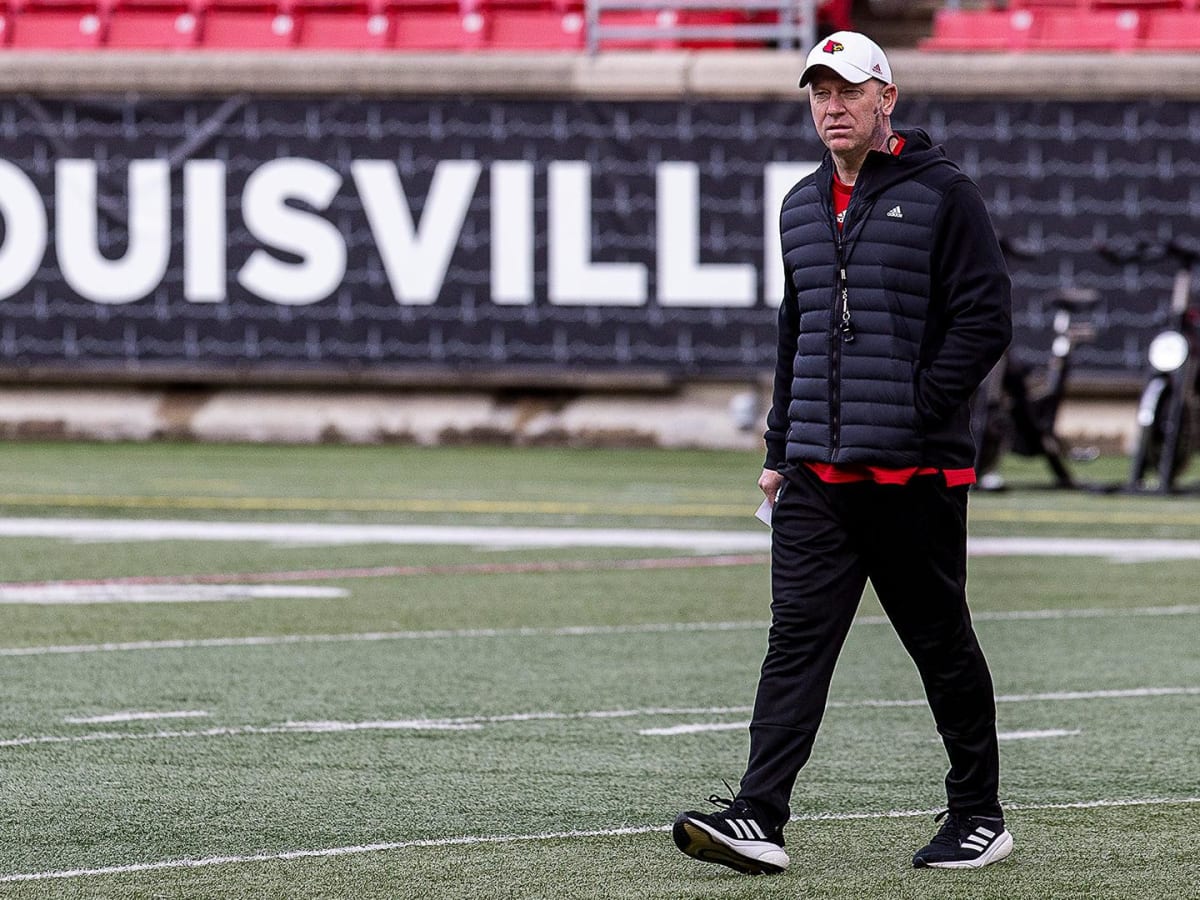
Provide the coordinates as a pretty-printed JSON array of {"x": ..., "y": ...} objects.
[{"x": 523, "y": 661}]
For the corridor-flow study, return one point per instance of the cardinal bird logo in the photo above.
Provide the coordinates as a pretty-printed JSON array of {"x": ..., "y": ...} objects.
[{"x": 833, "y": 47}]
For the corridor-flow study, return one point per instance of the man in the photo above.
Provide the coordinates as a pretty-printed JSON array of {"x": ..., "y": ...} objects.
[{"x": 896, "y": 306}]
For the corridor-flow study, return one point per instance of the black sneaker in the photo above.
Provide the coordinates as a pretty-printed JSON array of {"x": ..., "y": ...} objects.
[
  {"x": 965, "y": 842},
  {"x": 732, "y": 837}
]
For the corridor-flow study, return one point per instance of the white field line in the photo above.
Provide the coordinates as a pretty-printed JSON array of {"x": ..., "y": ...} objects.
[
  {"x": 565, "y": 631},
  {"x": 62, "y": 594},
  {"x": 109, "y": 718},
  {"x": 474, "y": 723},
  {"x": 1039, "y": 735},
  {"x": 694, "y": 541},
  {"x": 479, "y": 840},
  {"x": 741, "y": 726},
  {"x": 241, "y": 731},
  {"x": 1048, "y": 697},
  {"x": 332, "y": 534}
]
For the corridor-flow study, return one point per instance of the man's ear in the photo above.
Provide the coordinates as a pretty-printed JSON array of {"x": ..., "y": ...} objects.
[{"x": 888, "y": 97}]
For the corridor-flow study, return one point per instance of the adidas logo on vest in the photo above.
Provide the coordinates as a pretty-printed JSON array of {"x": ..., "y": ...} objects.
[{"x": 895, "y": 212}]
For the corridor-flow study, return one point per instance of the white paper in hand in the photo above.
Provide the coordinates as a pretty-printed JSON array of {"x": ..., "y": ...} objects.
[{"x": 763, "y": 513}]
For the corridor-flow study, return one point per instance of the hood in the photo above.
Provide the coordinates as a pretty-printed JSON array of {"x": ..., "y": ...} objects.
[{"x": 881, "y": 170}]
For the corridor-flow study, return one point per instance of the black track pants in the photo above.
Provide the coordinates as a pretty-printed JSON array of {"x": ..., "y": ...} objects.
[{"x": 910, "y": 541}]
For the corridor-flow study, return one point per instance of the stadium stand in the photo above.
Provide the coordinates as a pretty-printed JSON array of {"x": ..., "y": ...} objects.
[
  {"x": 1070, "y": 25},
  {"x": 574, "y": 26},
  {"x": 418, "y": 25}
]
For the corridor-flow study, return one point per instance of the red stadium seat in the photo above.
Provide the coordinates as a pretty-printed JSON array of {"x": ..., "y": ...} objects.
[
  {"x": 647, "y": 19},
  {"x": 343, "y": 30},
  {"x": 836, "y": 14},
  {"x": 713, "y": 18},
  {"x": 967, "y": 30},
  {"x": 425, "y": 29},
  {"x": 152, "y": 29},
  {"x": 532, "y": 29},
  {"x": 56, "y": 30},
  {"x": 1171, "y": 31},
  {"x": 247, "y": 29},
  {"x": 499, "y": 6},
  {"x": 4, "y": 30},
  {"x": 1138, "y": 4},
  {"x": 1095, "y": 31},
  {"x": 1081, "y": 5},
  {"x": 405, "y": 7}
]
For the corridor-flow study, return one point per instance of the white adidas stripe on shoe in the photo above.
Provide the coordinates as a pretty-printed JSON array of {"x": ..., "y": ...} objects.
[
  {"x": 732, "y": 837},
  {"x": 965, "y": 843}
]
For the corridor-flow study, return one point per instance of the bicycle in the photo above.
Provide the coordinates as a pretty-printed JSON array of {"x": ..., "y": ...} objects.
[
  {"x": 1168, "y": 410},
  {"x": 1016, "y": 408}
]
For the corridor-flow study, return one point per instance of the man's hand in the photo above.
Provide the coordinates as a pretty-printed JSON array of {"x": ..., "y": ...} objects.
[{"x": 769, "y": 483}]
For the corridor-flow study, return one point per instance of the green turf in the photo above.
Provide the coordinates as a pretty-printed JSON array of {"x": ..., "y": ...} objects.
[{"x": 552, "y": 717}]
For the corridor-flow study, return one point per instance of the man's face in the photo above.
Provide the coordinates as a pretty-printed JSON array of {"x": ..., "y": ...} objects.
[{"x": 850, "y": 118}]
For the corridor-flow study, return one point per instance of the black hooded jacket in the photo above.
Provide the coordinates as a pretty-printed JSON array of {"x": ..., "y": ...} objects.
[{"x": 887, "y": 327}]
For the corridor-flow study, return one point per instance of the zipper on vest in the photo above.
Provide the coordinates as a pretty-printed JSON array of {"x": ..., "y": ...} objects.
[
  {"x": 841, "y": 321},
  {"x": 847, "y": 326}
]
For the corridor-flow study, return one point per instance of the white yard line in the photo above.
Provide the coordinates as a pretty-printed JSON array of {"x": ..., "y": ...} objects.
[
  {"x": 332, "y": 534},
  {"x": 564, "y": 631},
  {"x": 478, "y": 840},
  {"x": 62, "y": 594},
  {"x": 1114, "y": 549},
  {"x": 695, "y": 728},
  {"x": 694, "y": 541},
  {"x": 1040, "y": 735},
  {"x": 1048, "y": 697},
  {"x": 110, "y": 718},
  {"x": 474, "y": 723},
  {"x": 373, "y": 636}
]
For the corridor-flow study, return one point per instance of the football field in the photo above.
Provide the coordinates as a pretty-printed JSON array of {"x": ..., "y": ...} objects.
[{"x": 393, "y": 672}]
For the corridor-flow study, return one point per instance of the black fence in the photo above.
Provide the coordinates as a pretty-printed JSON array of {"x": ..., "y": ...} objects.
[{"x": 249, "y": 237}]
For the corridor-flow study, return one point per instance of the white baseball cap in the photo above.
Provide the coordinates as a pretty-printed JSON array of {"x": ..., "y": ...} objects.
[{"x": 854, "y": 56}]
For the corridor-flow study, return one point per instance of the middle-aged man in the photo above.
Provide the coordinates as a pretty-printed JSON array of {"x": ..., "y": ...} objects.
[{"x": 895, "y": 308}]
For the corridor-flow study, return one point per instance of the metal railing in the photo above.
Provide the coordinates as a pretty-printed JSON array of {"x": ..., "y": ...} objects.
[{"x": 793, "y": 26}]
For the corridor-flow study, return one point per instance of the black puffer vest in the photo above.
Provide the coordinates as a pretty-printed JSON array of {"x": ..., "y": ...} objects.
[{"x": 887, "y": 327}]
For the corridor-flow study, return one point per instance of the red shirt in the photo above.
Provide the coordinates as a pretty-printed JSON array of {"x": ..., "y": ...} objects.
[{"x": 832, "y": 473}]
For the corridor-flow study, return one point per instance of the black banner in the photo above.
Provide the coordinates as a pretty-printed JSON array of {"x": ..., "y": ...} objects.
[{"x": 246, "y": 235}]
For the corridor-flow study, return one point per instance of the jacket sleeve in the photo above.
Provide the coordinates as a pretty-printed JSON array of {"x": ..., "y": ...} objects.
[
  {"x": 971, "y": 286},
  {"x": 781, "y": 397}
]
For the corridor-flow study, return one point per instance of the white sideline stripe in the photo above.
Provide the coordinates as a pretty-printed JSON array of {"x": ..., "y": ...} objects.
[
  {"x": 1037, "y": 735},
  {"x": 135, "y": 717},
  {"x": 318, "y": 533},
  {"x": 694, "y": 729},
  {"x": 1115, "y": 549},
  {"x": 476, "y": 840},
  {"x": 242, "y": 731},
  {"x": 90, "y": 594},
  {"x": 327, "y": 534},
  {"x": 371, "y": 636},
  {"x": 739, "y": 726},
  {"x": 474, "y": 723},
  {"x": 566, "y": 631},
  {"x": 1050, "y": 696}
]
